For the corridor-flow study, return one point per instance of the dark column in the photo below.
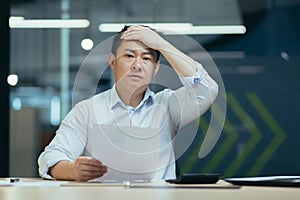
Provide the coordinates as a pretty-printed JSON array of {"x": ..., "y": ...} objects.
[{"x": 4, "y": 88}]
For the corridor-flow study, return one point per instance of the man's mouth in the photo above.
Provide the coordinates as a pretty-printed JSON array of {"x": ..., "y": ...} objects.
[{"x": 135, "y": 76}]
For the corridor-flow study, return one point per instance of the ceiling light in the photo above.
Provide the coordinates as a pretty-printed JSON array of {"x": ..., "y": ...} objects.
[
  {"x": 12, "y": 79},
  {"x": 179, "y": 28},
  {"x": 115, "y": 27},
  {"x": 224, "y": 29},
  {"x": 21, "y": 22},
  {"x": 87, "y": 44}
]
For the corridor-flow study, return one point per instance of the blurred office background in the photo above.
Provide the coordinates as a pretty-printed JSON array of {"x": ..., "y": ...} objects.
[{"x": 259, "y": 67}]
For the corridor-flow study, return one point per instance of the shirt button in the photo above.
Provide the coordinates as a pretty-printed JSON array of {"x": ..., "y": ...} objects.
[{"x": 197, "y": 80}]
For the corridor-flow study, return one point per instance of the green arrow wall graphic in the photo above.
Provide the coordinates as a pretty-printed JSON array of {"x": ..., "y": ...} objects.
[
  {"x": 224, "y": 148},
  {"x": 193, "y": 159},
  {"x": 232, "y": 137},
  {"x": 251, "y": 127},
  {"x": 279, "y": 134}
]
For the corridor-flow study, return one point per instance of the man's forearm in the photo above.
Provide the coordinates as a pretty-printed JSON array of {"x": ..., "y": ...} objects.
[{"x": 184, "y": 65}]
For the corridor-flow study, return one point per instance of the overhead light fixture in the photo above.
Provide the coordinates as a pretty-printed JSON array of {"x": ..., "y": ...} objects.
[
  {"x": 87, "y": 44},
  {"x": 181, "y": 28},
  {"x": 222, "y": 29},
  {"x": 21, "y": 22},
  {"x": 12, "y": 79},
  {"x": 115, "y": 27}
]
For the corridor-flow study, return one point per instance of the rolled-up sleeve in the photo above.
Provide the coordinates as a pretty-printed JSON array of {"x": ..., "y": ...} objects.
[
  {"x": 194, "y": 98},
  {"x": 67, "y": 144}
]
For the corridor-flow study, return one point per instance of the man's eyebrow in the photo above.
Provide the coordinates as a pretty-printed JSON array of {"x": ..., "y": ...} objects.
[
  {"x": 145, "y": 52},
  {"x": 131, "y": 50}
]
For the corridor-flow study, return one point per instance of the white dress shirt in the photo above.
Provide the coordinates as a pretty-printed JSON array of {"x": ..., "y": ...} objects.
[{"x": 166, "y": 112}]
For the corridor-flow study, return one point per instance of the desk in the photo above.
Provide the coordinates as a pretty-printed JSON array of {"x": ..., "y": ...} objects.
[{"x": 145, "y": 191}]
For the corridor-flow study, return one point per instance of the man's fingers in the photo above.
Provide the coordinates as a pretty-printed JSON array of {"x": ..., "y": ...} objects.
[
  {"x": 130, "y": 36},
  {"x": 91, "y": 168},
  {"x": 133, "y": 33},
  {"x": 86, "y": 168},
  {"x": 85, "y": 175},
  {"x": 145, "y": 35},
  {"x": 88, "y": 161},
  {"x": 94, "y": 173}
]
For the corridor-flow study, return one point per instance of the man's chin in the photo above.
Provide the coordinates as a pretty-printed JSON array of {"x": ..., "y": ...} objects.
[{"x": 139, "y": 86}]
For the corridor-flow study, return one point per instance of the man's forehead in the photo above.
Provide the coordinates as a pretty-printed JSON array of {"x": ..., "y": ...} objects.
[{"x": 134, "y": 46}]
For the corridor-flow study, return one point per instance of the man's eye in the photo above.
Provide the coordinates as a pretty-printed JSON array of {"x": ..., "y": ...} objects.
[
  {"x": 147, "y": 58},
  {"x": 129, "y": 56}
]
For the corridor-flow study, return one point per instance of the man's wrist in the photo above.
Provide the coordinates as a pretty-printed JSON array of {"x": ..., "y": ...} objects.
[
  {"x": 63, "y": 170},
  {"x": 71, "y": 169}
]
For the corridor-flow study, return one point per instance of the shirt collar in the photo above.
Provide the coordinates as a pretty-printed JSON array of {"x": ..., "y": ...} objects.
[
  {"x": 115, "y": 99},
  {"x": 148, "y": 97}
]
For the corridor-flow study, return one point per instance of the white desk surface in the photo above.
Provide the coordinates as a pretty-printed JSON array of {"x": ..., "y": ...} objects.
[{"x": 141, "y": 191}]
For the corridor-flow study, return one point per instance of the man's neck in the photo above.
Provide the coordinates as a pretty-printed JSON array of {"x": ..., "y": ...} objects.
[{"x": 130, "y": 96}]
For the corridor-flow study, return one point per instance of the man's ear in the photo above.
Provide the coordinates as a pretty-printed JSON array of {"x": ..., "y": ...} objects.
[
  {"x": 112, "y": 61},
  {"x": 156, "y": 68}
]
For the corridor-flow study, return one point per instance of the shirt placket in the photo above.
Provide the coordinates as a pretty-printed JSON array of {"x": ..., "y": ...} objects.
[{"x": 131, "y": 112}]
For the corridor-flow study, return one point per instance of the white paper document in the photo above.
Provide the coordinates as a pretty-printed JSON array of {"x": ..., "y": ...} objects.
[{"x": 20, "y": 182}]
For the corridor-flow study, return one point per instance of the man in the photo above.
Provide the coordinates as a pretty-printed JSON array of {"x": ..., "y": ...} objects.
[{"x": 130, "y": 103}]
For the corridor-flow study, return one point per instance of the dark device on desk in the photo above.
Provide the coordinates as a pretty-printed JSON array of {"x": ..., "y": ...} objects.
[
  {"x": 280, "y": 181},
  {"x": 196, "y": 179}
]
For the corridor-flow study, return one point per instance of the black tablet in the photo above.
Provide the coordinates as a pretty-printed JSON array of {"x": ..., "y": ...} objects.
[
  {"x": 195, "y": 178},
  {"x": 281, "y": 181}
]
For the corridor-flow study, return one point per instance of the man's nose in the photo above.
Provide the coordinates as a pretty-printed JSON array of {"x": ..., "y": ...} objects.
[{"x": 137, "y": 65}]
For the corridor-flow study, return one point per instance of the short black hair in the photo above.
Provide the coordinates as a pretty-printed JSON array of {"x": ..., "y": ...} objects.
[{"x": 117, "y": 41}]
